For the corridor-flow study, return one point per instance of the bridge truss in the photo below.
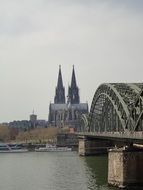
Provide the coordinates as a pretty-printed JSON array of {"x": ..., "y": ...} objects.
[{"x": 116, "y": 107}]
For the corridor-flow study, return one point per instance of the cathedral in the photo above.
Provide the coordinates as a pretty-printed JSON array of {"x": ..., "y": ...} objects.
[{"x": 66, "y": 112}]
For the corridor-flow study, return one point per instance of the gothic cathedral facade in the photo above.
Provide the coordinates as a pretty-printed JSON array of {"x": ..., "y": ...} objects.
[{"x": 66, "y": 113}]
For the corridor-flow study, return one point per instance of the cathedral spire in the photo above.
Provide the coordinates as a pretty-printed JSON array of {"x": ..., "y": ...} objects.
[
  {"x": 60, "y": 80},
  {"x": 60, "y": 90},
  {"x": 73, "y": 81},
  {"x": 73, "y": 92}
]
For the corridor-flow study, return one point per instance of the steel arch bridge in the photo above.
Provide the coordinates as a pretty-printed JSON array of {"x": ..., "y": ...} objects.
[
  {"x": 116, "y": 107},
  {"x": 83, "y": 125}
]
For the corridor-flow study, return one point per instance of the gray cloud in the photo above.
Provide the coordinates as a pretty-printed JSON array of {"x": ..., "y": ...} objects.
[{"x": 103, "y": 39}]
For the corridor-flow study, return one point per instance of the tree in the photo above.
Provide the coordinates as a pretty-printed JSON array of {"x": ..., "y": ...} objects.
[
  {"x": 39, "y": 135},
  {"x": 4, "y": 132}
]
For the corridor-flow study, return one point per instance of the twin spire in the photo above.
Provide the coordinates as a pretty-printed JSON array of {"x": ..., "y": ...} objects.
[
  {"x": 60, "y": 80},
  {"x": 60, "y": 90},
  {"x": 73, "y": 81},
  {"x": 73, "y": 90}
]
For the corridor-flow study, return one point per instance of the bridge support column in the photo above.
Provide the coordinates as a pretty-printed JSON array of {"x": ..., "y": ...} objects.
[
  {"x": 125, "y": 167},
  {"x": 90, "y": 146}
]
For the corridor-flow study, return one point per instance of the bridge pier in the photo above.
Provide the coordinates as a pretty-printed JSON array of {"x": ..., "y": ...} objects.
[
  {"x": 125, "y": 167},
  {"x": 91, "y": 146}
]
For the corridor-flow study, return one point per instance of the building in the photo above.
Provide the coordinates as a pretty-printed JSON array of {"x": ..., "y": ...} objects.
[
  {"x": 20, "y": 125},
  {"x": 33, "y": 120},
  {"x": 32, "y": 123},
  {"x": 37, "y": 123},
  {"x": 66, "y": 113}
]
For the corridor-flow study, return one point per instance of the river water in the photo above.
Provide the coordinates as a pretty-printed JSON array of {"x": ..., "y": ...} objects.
[{"x": 52, "y": 171}]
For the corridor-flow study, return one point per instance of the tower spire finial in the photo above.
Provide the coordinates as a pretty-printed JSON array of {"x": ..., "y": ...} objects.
[
  {"x": 60, "y": 90},
  {"x": 73, "y": 92},
  {"x": 60, "y": 80},
  {"x": 73, "y": 81}
]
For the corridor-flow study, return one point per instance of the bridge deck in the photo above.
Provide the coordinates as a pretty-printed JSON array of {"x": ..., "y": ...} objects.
[{"x": 131, "y": 137}]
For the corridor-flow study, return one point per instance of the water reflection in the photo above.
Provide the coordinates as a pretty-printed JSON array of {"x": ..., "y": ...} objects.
[
  {"x": 53, "y": 171},
  {"x": 97, "y": 172}
]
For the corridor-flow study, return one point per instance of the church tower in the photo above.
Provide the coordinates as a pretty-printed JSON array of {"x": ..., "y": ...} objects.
[
  {"x": 73, "y": 91},
  {"x": 60, "y": 90},
  {"x": 66, "y": 114}
]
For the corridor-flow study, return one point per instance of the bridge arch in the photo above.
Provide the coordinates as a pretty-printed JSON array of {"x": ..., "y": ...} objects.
[
  {"x": 83, "y": 125},
  {"x": 117, "y": 107}
]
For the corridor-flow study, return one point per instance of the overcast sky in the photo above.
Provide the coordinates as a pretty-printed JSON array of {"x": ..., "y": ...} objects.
[{"x": 102, "y": 38}]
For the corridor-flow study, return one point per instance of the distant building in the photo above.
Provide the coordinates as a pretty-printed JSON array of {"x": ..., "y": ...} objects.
[
  {"x": 21, "y": 125},
  {"x": 33, "y": 120},
  {"x": 62, "y": 113},
  {"x": 41, "y": 123}
]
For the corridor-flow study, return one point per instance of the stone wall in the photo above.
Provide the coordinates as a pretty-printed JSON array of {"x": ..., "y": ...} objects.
[
  {"x": 125, "y": 167},
  {"x": 67, "y": 139}
]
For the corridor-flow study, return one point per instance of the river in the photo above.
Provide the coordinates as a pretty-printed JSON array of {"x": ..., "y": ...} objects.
[{"x": 52, "y": 171}]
